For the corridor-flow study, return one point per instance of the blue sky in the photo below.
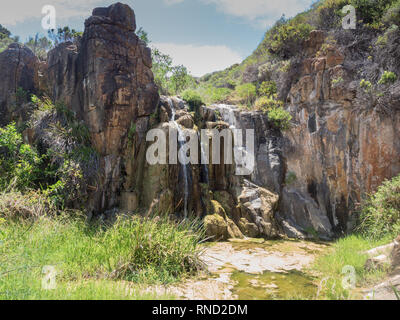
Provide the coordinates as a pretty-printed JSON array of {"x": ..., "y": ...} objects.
[{"x": 204, "y": 35}]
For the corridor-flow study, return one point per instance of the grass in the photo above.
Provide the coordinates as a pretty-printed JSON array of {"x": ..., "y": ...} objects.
[
  {"x": 348, "y": 251},
  {"x": 94, "y": 262}
]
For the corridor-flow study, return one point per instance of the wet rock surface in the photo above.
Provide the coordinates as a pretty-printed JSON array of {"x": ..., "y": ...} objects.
[{"x": 251, "y": 269}]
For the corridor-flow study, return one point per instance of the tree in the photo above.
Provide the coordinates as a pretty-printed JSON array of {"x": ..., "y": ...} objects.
[
  {"x": 180, "y": 79},
  {"x": 143, "y": 35},
  {"x": 6, "y": 39},
  {"x": 4, "y": 33},
  {"x": 63, "y": 34},
  {"x": 39, "y": 46},
  {"x": 162, "y": 67}
]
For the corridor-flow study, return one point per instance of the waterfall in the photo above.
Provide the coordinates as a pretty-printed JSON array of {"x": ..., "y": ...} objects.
[
  {"x": 203, "y": 159},
  {"x": 181, "y": 142},
  {"x": 227, "y": 113}
]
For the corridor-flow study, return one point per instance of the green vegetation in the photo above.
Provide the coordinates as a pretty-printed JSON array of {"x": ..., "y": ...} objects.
[
  {"x": 348, "y": 251},
  {"x": 247, "y": 93},
  {"x": 366, "y": 85},
  {"x": 337, "y": 81},
  {"x": 171, "y": 80},
  {"x": 286, "y": 37},
  {"x": 93, "y": 256},
  {"x": 63, "y": 169},
  {"x": 192, "y": 98},
  {"x": 19, "y": 162},
  {"x": 267, "y": 88},
  {"x": 280, "y": 118},
  {"x": 380, "y": 216},
  {"x": 388, "y": 77},
  {"x": 379, "y": 224},
  {"x": 276, "y": 113},
  {"x": 63, "y": 35},
  {"x": 39, "y": 46},
  {"x": 290, "y": 178},
  {"x": 392, "y": 14},
  {"x": 5, "y": 38}
]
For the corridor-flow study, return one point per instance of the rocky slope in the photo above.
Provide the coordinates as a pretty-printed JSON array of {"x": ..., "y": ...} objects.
[{"x": 342, "y": 144}]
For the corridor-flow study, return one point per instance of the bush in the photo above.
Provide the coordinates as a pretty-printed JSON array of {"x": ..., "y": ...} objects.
[
  {"x": 388, "y": 77},
  {"x": 392, "y": 15},
  {"x": 366, "y": 85},
  {"x": 30, "y": 205},
  {"x": 286, "y": 38},
  {"x": 19, "y": 162},
  {"x": 192, "y": 98},
  {"x": 266, "y": 103},
  {"x": 380, "y": 215},
  {"x": 371, "y": 11},
  {"x": 246, "y": 92},
  {"x": 280, "y": 118},
  {"x": 267, "y": 88}
]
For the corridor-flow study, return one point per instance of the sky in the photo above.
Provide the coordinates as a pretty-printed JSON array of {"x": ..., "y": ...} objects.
[{"x": 203, "y": 35}]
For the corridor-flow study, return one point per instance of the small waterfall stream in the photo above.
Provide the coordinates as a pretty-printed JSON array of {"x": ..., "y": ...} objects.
[
  {"x": 181, "y": 142},
  {"x": 204, "y": 160},
  {"x": 227, "y": 113}
]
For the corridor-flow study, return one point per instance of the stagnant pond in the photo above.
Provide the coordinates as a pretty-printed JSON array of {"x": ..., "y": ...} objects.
[{"x": 255, "y": 269}]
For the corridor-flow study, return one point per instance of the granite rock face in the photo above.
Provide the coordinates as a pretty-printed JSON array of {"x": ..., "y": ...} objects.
[
  {"x": 19, "y": 68},
  {"x": 343, "y": 144},
  {"x": 106, "y": 79}
]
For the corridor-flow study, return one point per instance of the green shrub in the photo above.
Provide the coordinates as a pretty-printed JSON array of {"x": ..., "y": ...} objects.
[
  {"x": 371, "y": 11},
  {"x": 366, "y": 85},
  {"x": 280, "y": 118},
  {"x": 69, "y": 162},
  {"x": 286, "y": 38},
  {"x": 246, "y": 92},
  {"x": 276, "y": 113},
  {"x": 268, "y": 102},
  {"x": 388, "y": 77},
  {"x": 18, "y": 207},
  {"x": 192, "y": 98},
  {"x": 392, "y": 14},
  {"x": 380, "y": 216},
  {"x": 19, "y": 162},
  {"x": 337, "y": 81},
  {"x": 267, "y": 88}
]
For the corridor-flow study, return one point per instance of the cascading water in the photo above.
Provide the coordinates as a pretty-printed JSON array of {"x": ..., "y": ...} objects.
[
  {"x": 204, "y": 160},
  {"x": 181, "y": 141},
  {"x": 227, "y": 113}
]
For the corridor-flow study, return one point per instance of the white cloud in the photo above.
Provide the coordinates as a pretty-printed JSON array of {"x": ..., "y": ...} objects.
[
  {"x": 19, "y": 10},
  {"x": 260, "y": 12},
  {"x": 172, "y": 2},
  {"x": 200, "y": 59}
]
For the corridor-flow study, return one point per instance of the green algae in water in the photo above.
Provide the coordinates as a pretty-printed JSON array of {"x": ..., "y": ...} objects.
[{"x": 274, "y": 286}]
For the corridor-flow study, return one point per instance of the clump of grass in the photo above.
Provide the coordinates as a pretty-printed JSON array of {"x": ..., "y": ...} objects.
[
  {"x": 132, "y": 249},
  {"x": 349, "y": 251}
]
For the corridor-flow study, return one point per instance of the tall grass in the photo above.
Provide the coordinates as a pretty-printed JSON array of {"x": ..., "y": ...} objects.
[
  {"x": 90, "y": 261},
  {"x": 349, "y": 251}
]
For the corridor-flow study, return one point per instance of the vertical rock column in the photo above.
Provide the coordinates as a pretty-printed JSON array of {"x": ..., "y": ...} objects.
[{"x": 116, "y": 91}]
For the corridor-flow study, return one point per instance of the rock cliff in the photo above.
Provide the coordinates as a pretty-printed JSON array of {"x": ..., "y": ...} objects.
[{"x": 343, "y": 141}]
